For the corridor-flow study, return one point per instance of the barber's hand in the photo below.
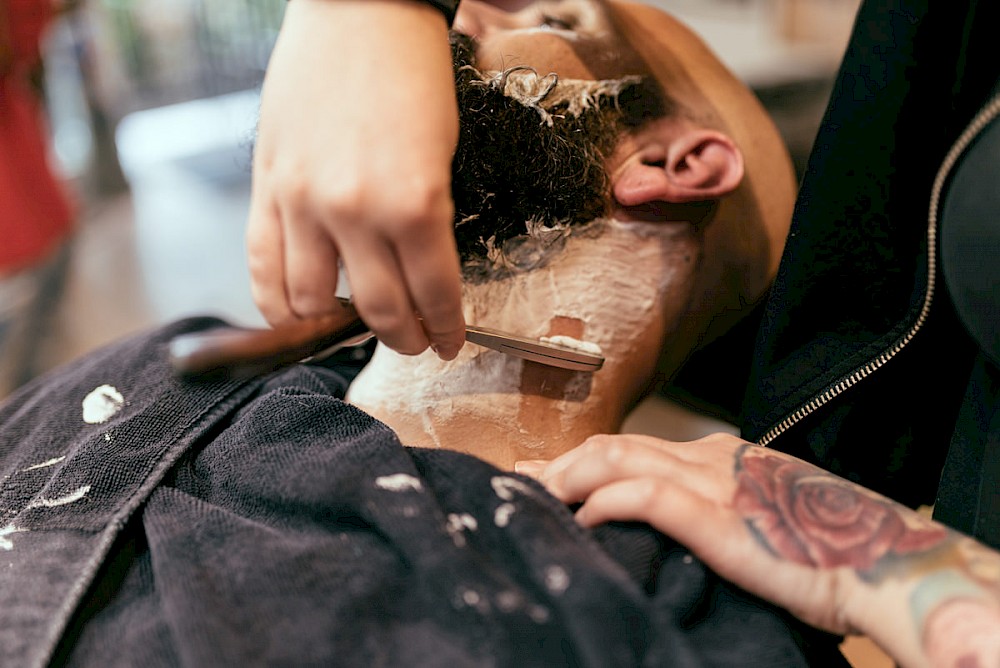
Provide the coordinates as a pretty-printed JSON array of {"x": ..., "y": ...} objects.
[
  {"x": 835, "y": 554},
  {"x": 693, "y": 493},
  {"x": 358, "y": 124}
]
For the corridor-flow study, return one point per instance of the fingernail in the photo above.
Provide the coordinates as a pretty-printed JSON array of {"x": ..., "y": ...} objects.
[
  {"x": 446, "y": 352},
  {"x": 530, "y": 467}
]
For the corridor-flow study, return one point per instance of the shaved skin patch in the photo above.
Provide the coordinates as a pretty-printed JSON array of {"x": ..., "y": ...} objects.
[{"x": 540, "y": 383}]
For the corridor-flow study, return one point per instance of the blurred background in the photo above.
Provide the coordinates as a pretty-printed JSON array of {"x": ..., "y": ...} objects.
[{"x": 151, "y": 106}]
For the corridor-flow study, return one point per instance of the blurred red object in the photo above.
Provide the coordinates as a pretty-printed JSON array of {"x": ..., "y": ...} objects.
[{"x": 36, "y": 211}]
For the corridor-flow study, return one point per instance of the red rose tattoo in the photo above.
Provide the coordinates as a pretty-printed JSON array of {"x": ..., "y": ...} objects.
[{"x": 803, "y": 513}]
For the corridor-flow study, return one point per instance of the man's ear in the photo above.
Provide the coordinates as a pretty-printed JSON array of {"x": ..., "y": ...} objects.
[{"x": 694, "y": 165}]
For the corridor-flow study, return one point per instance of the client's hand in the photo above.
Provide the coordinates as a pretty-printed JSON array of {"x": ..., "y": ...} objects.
[
  {"x": 358, "y": 123},
  {"x": 835, "y": 554}
]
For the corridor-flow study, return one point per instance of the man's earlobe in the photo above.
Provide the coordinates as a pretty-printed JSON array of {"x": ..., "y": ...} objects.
[{"x": 698, "y": 165}]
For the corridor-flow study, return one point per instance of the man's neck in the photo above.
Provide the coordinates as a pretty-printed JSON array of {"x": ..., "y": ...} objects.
[{"x": 499, "y": 408}]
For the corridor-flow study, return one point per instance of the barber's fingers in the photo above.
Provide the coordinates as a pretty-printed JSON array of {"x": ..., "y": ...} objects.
[
  {"x": 310, "y": 264},
  {"x": 682, "y": 489},
  {"x": 701, "y": 465},
  {"x": 701, "y": 523},
  {"x": 404, "y": 269},
  {"x": 266, "y": 260},
  {"x": 720, "y": 538},
  {"x": 401, "y": 261},
  {"x": 430, "y": 267},
  {"x": 380, "y": 295}
]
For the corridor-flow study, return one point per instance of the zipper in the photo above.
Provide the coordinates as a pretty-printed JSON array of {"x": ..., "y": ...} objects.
[{"x": 990, "y": 111}]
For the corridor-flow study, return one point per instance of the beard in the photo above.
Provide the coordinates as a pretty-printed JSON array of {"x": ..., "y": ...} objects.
[{"x": 530, "y": 165}]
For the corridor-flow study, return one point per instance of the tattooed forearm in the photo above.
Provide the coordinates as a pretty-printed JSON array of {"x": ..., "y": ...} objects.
[
  {"x": 806, "y": 515},
  {"x": 803, "y": 513}
]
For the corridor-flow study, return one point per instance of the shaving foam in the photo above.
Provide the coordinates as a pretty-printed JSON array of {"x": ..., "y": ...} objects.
[{"x": 574, "y": 344}]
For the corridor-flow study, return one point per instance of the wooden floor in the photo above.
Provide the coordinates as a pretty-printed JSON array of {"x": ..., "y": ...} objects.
[{"x": 863, "y": 653}]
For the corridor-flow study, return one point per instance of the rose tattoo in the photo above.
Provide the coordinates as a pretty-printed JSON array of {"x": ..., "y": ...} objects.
[{"x": 805, "y": 514}]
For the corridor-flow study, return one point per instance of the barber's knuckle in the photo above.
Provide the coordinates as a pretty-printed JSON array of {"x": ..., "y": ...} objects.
[
  {"x": 259, "y": 259},
  {"x": 722, "y": 440},
  {"x": 291, "y": 187},
  {"x": 596, "y": 442},
  {"x": 307, "y": 299},
  {"x": 615, "y": 453},
  {"x": 424, "y": 203},
  {"x": 430, "y": 189},
  {"x": 379, "y": 313},
  {"x": 345, "y": 200},
  {"x": 388, "y": 318},
  {"x": 651, "y": 492},
  {"x": 608, "y": 450},
  {"x": 443, "y": 317}
]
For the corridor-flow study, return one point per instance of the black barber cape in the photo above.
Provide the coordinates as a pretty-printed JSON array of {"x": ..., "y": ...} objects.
[{"x": 147, "y": 522}]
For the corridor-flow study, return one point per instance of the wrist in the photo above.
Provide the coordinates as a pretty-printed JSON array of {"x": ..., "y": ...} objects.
[
  {"x": 937, "y": 609},
  {"x": 880, "y": 613},
  {"x": 388, "y": 32}
]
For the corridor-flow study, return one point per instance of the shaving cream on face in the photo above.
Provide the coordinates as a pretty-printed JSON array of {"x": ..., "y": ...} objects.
[
  {"x": 611, "y": 288},
  {"x": 613, "y": 281},
  {"x": 420, "y": 383}
]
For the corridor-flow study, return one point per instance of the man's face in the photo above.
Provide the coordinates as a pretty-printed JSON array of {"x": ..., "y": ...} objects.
[
  {"x": 573, "y": 38},
  {"x": 534, "y": 143}
]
